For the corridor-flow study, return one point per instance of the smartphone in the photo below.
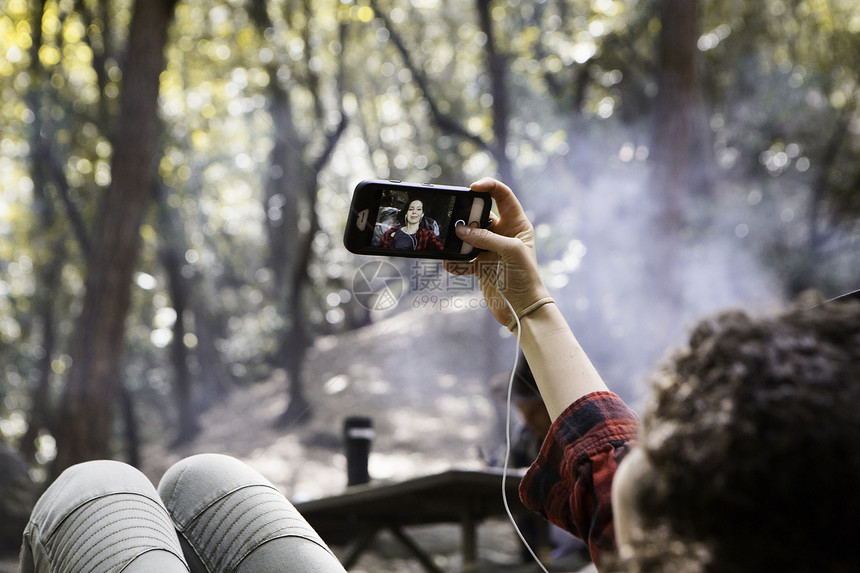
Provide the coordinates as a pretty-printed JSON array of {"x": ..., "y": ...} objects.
[{"x": 397, "y": 219}]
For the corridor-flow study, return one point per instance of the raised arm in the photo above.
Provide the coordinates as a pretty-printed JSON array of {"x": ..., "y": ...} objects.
[{"x": 509, "y": 264}]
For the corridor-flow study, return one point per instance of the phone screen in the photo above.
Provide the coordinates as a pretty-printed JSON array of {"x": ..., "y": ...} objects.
[{"x": 392, "y": 218}]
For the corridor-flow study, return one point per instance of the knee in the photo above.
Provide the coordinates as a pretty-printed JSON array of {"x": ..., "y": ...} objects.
[
  {"x": 89, "y": 480},
  {"x": 203, "y": 472},
  {"x": 96, "y": 507},
  {"x": 210, "y": 494},
  {"x": 201, "y": 464},
  {"x": 100, "y": 471},
  {"x": 193, "y": 483}
]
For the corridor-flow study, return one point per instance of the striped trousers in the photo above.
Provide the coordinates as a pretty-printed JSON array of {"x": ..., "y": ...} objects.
[{"x": 210, "y": 514}]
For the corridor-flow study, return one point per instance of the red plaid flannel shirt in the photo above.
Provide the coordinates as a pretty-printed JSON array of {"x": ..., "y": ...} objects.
[
  {"x": 425, "y": 239},
  {"x": 570, "y": 482}
]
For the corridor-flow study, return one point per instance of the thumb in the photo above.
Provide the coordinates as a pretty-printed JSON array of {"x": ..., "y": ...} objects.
[{"x": 485, "y": 239}]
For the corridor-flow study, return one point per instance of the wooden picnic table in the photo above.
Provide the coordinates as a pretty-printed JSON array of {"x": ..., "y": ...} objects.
[{"x": 464, "y": 497}]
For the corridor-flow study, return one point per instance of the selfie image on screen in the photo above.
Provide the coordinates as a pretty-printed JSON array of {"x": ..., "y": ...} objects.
[{"x": 416, "y": 223}]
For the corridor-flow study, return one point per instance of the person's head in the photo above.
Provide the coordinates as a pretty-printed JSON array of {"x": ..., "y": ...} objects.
[
  {"x": 412, "y": 212},
  {"x": 749, "y": 450}
]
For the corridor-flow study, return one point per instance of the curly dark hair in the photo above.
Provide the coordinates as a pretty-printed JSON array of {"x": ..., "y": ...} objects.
[{"x": 752, "y": 434}]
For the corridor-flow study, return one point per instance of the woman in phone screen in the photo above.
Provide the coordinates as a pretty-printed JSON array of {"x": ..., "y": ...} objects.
[{"x": 414, "y": 233}]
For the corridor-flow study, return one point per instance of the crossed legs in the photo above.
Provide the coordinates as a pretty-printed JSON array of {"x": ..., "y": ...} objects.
[{"x": 210, "y": 514}]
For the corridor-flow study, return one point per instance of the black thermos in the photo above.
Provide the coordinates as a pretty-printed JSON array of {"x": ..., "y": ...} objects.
[{"x": 358, "y": 434}]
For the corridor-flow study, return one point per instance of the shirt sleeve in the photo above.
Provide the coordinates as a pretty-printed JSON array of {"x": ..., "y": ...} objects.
[
  {"x": 570, "y": 482},
  {"x": 427, "y": 240},
  {"x": 387, "y": 240},
  {"x": 435, "y": 242}
]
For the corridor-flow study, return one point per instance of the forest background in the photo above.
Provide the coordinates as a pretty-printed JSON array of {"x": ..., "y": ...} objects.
[{"x": 175, "y": 180}]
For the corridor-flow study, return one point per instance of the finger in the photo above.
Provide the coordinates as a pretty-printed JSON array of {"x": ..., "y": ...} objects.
[
  {"x": 506, "y": 201},
  {"x": 486, "y": 239}
]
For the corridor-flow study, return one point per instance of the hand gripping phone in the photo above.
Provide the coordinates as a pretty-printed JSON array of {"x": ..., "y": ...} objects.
[{"x": 396, "y": 219}]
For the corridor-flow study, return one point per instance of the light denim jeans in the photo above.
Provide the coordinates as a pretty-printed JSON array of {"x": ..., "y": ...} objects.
[{"x": 211, "y": 514}]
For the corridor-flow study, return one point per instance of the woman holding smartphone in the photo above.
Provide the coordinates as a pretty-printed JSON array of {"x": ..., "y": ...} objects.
[{"x": 746, "y": 458}]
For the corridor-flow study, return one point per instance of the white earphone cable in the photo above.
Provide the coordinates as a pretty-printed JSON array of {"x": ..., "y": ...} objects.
[{"x": 508, "y": 428}]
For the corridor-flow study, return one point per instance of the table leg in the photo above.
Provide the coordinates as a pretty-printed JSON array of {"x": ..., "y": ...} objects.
[
  {"x": 359, "y": 548},
  {"x": 422, "y": 556},
  {"x": 469, "y": 532}
]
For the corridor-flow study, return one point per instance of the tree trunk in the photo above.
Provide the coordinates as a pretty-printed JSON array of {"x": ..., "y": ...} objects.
[
  {"x": 39, "y": 416},
  {"x": 677, "y": 101},
  {"x": 187, "y": 426},
  {"x": 672, "y": 161},
  {"x": 287, "y": 252},
  {"x": 496, "y": 68},
  {"x": 94, "y": 383},
  {"x": 171, "y": 255},
  {"x": 817, "y": 199},
  {"x": 297, "y": 339},
  {"x": 131, "y": 427},
  {"x": 292, "y": 224},
  {"x": 215, "y": 376},
  {"x": 48, "y": 271}
]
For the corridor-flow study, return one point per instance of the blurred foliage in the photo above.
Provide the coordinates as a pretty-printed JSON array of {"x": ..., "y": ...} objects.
[{"x": 780, "y": 93}]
